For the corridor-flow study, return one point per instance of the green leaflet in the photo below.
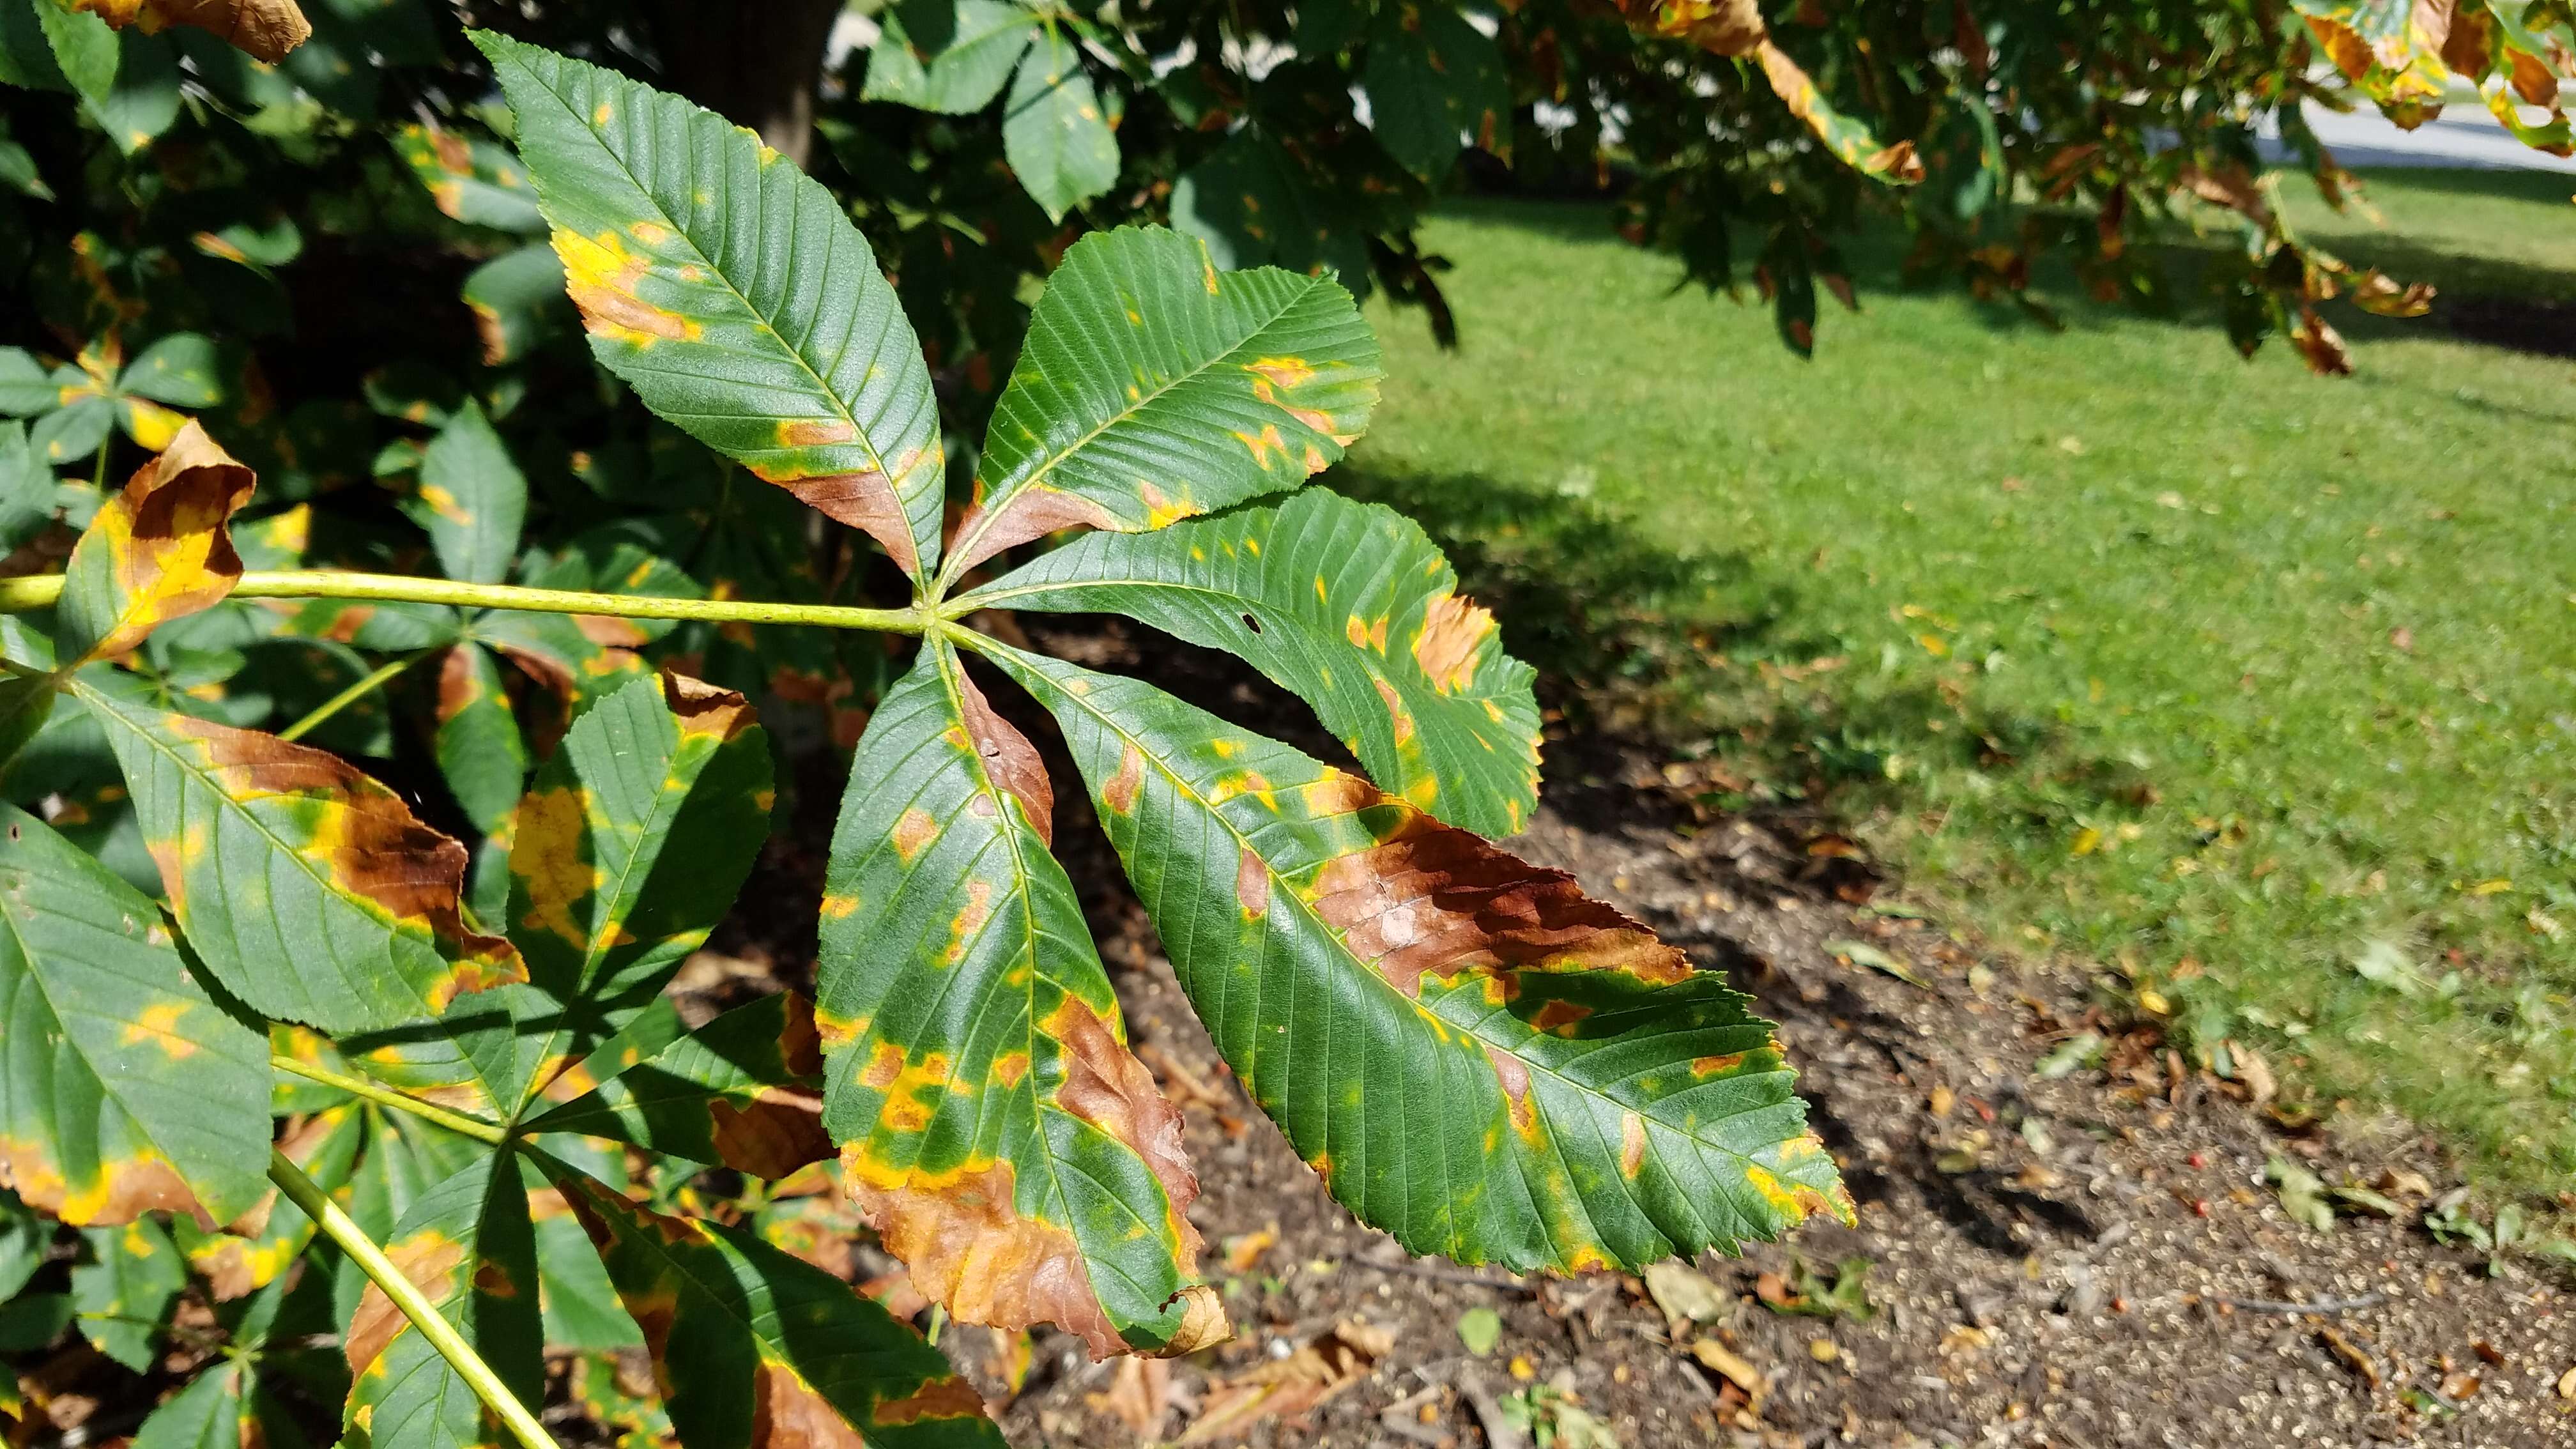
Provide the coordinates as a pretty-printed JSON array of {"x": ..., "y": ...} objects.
[
  {"x": 224, "y": 1407},
  {"x": 402, "y": 1160},
  {"x": 479, "y": 747},
  {"x": 600, "y": 906},
  {"x": 312, "y": 893},
  {"x": 475, "y": 181},
  {"x": 995, "y": 1129},
  {"x": 1253, "y": 207},
  {"x": 746, "y": 1338},
  {"x": 740, "y": 1091},
  {"x": 472, "y": 498},
  {"x": 144, "y": 100},
  {"x": 122, "y": 1087},
  {"x": 949, "y": 56},
  {"x": 1053, "y": 133},
  {"x": 515, "y": 298},
  {"x": 1351, "y": 606},
  {"x": 1152, "y": 388},
  {"x": 128, "y": 1280},
  {"x": 1432, "y": 78},
  {"x": 83, "y": 46},
  {"x": 733, "y": 295},
  {"x": 1479, "y": 1059},
  {"x": 468, "y": 1246},
  {"x": 326, "y": 1147}
]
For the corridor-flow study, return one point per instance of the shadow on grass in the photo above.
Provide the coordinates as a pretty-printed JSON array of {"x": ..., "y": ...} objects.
[{"x": 1717, "y": 654}]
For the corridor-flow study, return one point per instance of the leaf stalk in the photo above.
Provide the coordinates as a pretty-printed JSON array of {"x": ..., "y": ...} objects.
[
  {"x": 384, "y": 1096},
  {"x": 19, "y": 595},
  {"x": 343, "y": 1230}
]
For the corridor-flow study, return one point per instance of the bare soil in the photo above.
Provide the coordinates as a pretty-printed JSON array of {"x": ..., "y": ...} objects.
[{"x": 2086, "y": 1259}]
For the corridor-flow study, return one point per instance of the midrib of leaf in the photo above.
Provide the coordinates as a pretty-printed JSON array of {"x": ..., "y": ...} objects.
[
  {"x": 964, "y": 546},
  {"x": 839, "y": 405},
  {"x": 87, "y": 693},
  {"x": 1365, "y": 970},
  {"x": 949, "y": 667}
]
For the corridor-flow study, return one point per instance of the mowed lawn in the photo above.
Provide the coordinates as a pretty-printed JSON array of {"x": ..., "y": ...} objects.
[{"x": 2114, "y": 647}]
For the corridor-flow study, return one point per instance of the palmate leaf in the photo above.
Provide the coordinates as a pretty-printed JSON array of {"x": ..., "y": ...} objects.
[
  {"x": 625, "y": 853},
  {"x": 729, "y": 290},
  {"x": 1351, "y": 606},
  {"x": 1478, "y": 1058},
  {"x": 468, "y": 1246},
  {"x": 1153, "y": 387},
  {"x": 122, "y": 1087},
  {"x": 314, "y": 895},
  {"x": 755, "y": 1349},
  {"x": 996, "y": 1131},
  {"x": 743, "y": 1091}
]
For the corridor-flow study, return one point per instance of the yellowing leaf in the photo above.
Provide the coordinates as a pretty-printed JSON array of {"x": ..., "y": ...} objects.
[
  {"x": 267, "y": 29},
  {"x": 156, "y": 552}
]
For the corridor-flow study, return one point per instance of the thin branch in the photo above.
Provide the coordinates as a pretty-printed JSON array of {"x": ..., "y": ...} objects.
[
  {"x": 376, "y": 1092},
  {"x": 341, "y": 1229},
  {"x": 2324, "y": 1306},
  {"x": 19, "y": 595},
  {"x": 350, "y": 696}
]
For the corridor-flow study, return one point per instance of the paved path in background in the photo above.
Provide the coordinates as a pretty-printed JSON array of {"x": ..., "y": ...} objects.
[{"x": 2465, "y": 135}]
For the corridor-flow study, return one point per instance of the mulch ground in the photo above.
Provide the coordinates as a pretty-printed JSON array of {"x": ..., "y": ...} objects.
[{"x": 2086, "y": 1257}]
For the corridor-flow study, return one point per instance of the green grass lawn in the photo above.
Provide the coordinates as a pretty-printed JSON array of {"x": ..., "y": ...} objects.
[{"x": 2115, "y": 646}]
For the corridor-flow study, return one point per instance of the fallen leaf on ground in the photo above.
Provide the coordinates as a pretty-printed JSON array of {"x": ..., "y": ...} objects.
[
  {"x": 1685, "y": 1295},
  {"x": 2302, "y": 1193},
  {"x": 2567, "y": 1384},
  {"x": 1139, "y": 1396},
  {"x": 1862, "y": 953},
  {"x": 1717, "y": 1359},
  {"x": 1479, "y": 1329},
  {"x": 2351, "y": 1354},
  {"x": 2076, "y": 1053},
  {"x": 1284, "y": 1388},
  {"x": 2252, "y": 1073},
  {"x": 1243, "y": 1251},
  {"x": 2383, "y": 964}
]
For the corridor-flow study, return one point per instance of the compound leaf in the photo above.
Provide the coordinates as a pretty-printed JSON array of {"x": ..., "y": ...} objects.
[
  {"x": 312, "y": 893},
  {"x": 467, "y": 1244},
  {"x": 155, "y": 552},
  {"x": 755, "y": 1348},
  {"x": 626, "y": 852},
  {"x": 1351, "y": 606},
  {"x": 731, "y": 292},
  {"x": 1477, "y": 1057},
  {"x": 996, "y": 1131},
  {"x": 122, "y": 1087},
  {"x": 1152, "y": 387},
  {"x": 742, "y": 1091}
]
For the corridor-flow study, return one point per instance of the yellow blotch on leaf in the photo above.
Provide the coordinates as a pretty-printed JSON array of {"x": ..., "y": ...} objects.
[
  {"x": 601, "y": 275},
  {"x": 547, "y": 858}
]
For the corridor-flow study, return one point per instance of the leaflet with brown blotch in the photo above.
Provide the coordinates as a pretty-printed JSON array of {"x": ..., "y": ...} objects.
[{"x": 267, "y": 29}]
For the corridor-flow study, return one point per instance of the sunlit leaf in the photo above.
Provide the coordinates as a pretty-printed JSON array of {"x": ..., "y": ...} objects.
[
  {"x": 727, "y": 287},
  {"x": 626, "y": 852},
  {"x": 1153, "y": 387},
  {"x": 312, "y": 892},
  {"x": 473, "y": 499},
  {"x": 122, "y": 1087},
  {"x": 325, "y": 1147},
  {"x": 1477, "y": 1057},
  {"x": 1351, "y": 606},
  {"x": 743, "y": 1091},
  {"x": 950, "y": 56},
  {"x": 467, "y": 1245},
  {"x": 475, "y": 181},
  {"x": 267, "y": 29},
  {"x": 1058, "y": 143},
  {"x": 756, "y": 1350},
  {"x": 155, "y": 552},
  {"x": 996, "y": 1131},
  {"x": 479, "y": 747}
]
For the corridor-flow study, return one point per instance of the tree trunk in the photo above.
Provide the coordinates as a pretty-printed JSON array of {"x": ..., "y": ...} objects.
[{"x": 756, "y": 62}]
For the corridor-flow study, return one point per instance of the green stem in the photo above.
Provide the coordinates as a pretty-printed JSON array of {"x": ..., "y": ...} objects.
[
  {"x": 349, "y": 696},
  {"x": 442, "y": 1335},
  {"x": 19, "y": 595},
  {"x": 384, "y": 1096}
]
